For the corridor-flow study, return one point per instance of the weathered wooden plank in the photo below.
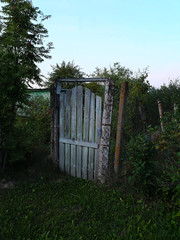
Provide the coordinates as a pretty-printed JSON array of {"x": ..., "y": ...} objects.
[
  {"x": 106, "y": 131},
  {"x": 61, "y": 145},
  {"x": 79, "y": 143},
  {"x": 79, "y": 128},
  {"x": 98, "y": 132},
  {"x": 67, "y": 131},
  {"x": 91, "y": 137},
  {"x": 73, "y": 132},
  {"x": 86, "y": 132},
  {"x": 120, "y": 125}
]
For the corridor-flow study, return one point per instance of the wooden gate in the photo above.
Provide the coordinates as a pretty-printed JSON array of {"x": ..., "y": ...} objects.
[{"x": 80, "y": 132}]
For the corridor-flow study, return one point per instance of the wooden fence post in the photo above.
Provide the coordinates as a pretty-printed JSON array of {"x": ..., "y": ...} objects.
[
  {"x": 106, "y": 131},
  {"x": 54, "y": 122},
  {"x": 120, "y": 125},
  {"x": 52, "y": 106},
  {"x": 160, "y": 113},
  {"x": 143, "y": 116}
]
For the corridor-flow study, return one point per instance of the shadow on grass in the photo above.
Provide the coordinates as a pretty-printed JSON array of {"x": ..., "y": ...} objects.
[{"x": 46, "y": 205}]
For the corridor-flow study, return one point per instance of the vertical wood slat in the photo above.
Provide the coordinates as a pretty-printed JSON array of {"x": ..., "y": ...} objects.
[
  {"x": 98, "y": 132},
  {"x": 91, "y": 137},
  {"x": 79, "y": 128},
  {"x": 73, "y": 132},
  {"x": 86, "y": 132},
  {"x": 61, "y": 128},
  {"x": 67, "y": 130}
]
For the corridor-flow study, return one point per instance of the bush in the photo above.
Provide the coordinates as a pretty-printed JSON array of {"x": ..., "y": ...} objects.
[
  {"x": 168, "y": 152},
  {"x": 31, "y": 131},
  {"x": 142, "y": 163},
  {"x": 154, "y": 161}
]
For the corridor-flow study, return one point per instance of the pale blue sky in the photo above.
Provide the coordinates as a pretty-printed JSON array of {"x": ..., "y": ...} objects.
[{"x": 136, "y": 33}]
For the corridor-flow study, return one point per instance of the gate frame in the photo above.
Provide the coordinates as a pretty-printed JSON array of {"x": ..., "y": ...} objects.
[{"x": 106, "y": 122}]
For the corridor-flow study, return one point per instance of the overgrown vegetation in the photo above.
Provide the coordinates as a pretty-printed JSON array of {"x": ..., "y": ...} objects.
[
  {"x": 22, "y": 46},
  {"x": 31, "y": 131},
  {"x": 69, "y": 208},
  {"x": 141, "y": 203},
  {"x": 153, "y": 160}
]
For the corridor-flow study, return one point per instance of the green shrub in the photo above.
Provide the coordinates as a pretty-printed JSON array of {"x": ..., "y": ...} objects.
[
  {"x": 142, "y": 170},
  {"x": 31, "y": 131},
  {"x": 168, "y": 152},
  {"x": 154, "y": 161}
]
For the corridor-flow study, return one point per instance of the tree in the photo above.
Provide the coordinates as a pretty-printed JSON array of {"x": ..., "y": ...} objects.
[
  {"x": 64, "y": 70},
  {"x": 22, "y": 46}
]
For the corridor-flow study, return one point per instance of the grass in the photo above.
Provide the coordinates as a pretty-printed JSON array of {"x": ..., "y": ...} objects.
[{"x": 44, "y": 206}]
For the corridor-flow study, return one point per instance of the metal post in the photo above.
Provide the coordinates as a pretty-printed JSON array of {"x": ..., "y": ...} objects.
[
  {"x": 160, "y": 113},
  {"x": 120, "y": 125}
]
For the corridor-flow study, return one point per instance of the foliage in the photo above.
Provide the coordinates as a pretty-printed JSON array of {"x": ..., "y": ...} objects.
[
  {"x": 22, "y": 46},
  {"x": 154, "y": 162},
  {"x": 138, "y": 88},
  {"x": 168, "y": 148},
  {"x": 22, "y": 40},
  {"x": 142, "y": 163},
  {"x": 31, "y": 131},
  {"x": 96, "y": 88},
  {"x": 70, "y": 208},
  {"x": 168, "y": 95},
  {"x": 64, "y": 70}
]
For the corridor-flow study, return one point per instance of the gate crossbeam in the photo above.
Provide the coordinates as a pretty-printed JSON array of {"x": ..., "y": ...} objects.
[
  {"x": 79, "y": 143},
  {"x": 82, "y": 79}
]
